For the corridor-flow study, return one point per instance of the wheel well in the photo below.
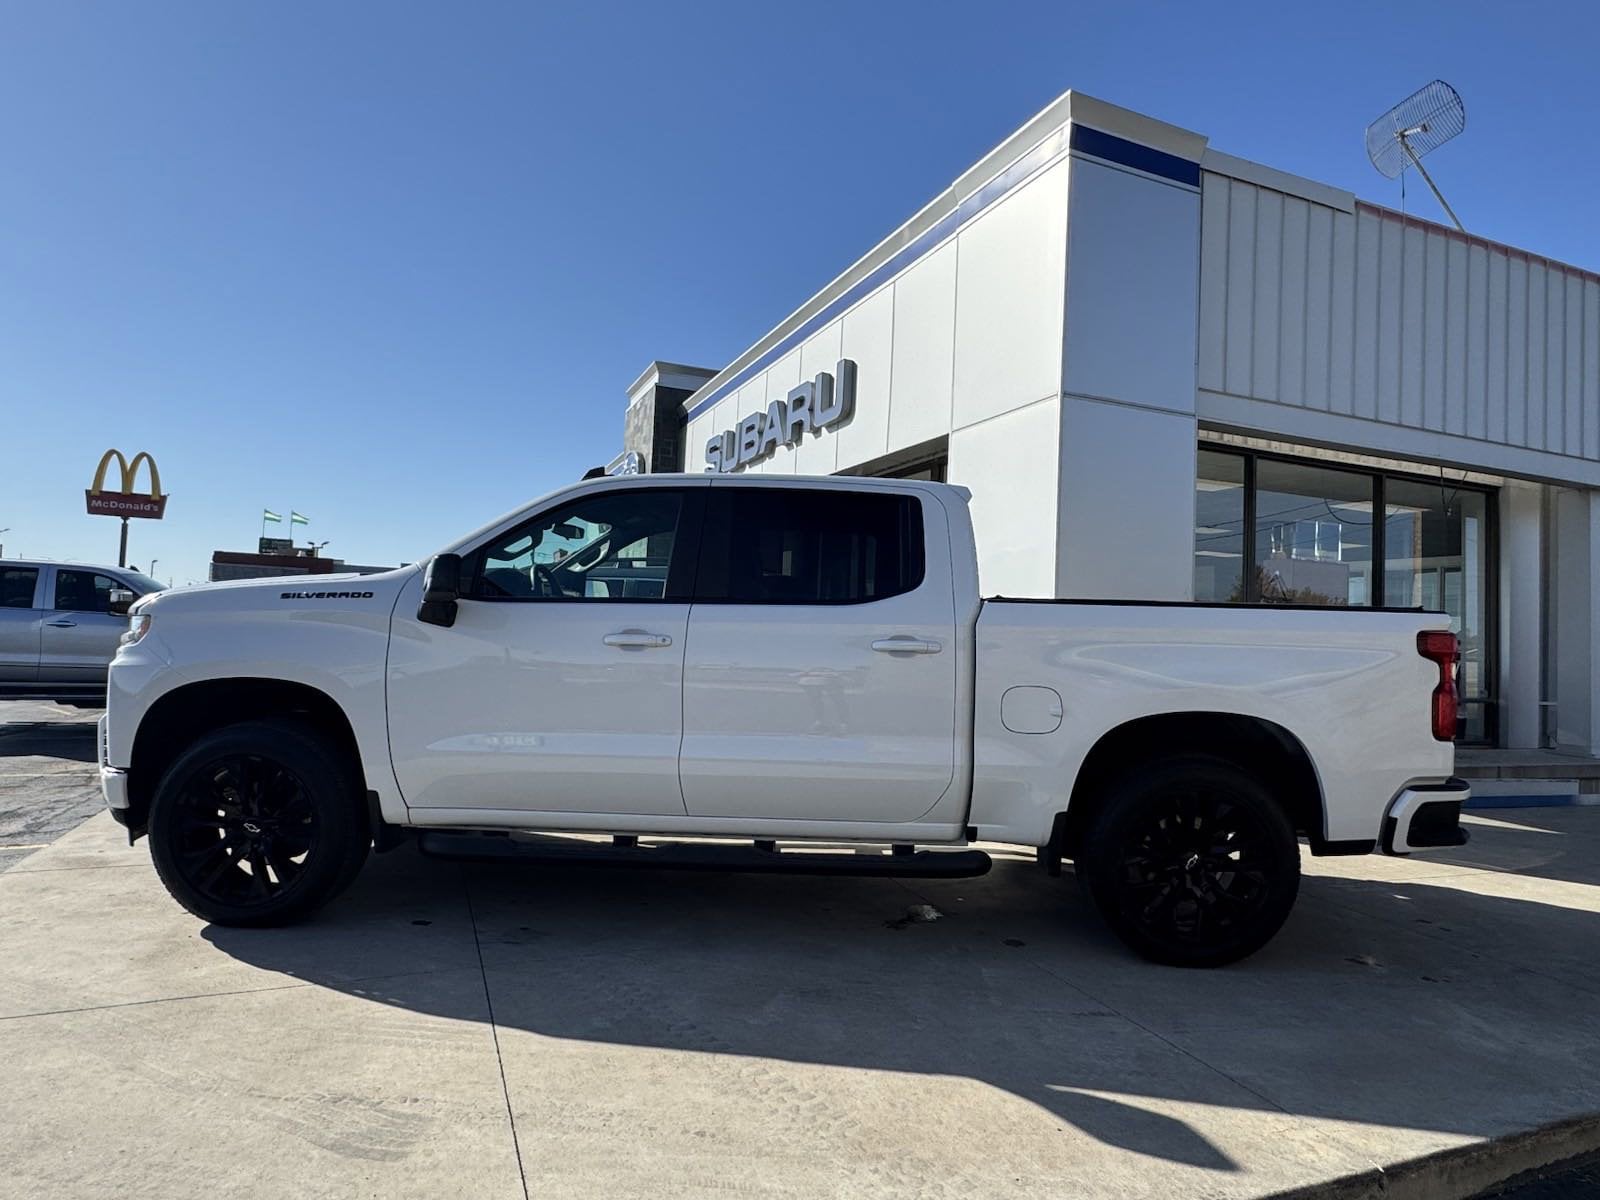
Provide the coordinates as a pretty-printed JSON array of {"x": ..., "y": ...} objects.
[
  {"x": 1268, "y": 751},
  {"x": 174, "y": 722}
]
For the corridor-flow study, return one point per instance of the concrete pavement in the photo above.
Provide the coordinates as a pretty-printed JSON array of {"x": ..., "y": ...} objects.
[{"x": 450, "y": 1030}]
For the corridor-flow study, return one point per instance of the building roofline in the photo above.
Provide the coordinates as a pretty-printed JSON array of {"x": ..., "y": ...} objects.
[
  {"x": 1474, "y": 239},
  {"x": 1078, "y": 109},
  {"x": 661, "y": 368},
  {"x": 1219, "y": 163}
]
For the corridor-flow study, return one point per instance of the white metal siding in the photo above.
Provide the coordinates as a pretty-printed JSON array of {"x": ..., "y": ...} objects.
[{"x": 1371, "y": 314}]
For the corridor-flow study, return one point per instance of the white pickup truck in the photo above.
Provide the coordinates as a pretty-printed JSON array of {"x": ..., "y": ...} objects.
[{"x": 720, "y": 664}]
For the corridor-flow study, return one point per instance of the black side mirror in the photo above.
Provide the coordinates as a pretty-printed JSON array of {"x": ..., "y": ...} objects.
[
  {"x": 120, "y": 601},
  {"x": 441, "y": 588}
]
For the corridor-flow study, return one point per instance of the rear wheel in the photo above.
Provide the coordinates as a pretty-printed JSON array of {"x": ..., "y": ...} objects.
[
  {"x": 1191, "y": 862},
  {"x": 259, "y": 823}
]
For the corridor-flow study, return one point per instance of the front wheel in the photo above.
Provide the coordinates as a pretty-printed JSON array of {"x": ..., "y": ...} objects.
[
  {"x": 1191, "y": 862},
  {"x": 259, "y": 823}
]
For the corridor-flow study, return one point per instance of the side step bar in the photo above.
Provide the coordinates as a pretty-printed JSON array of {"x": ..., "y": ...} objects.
[{"x": 624, "y": 851}]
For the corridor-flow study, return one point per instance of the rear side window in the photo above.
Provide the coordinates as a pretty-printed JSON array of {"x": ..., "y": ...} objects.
[
  {"x": 83, "y": 591},
  {"x": 809, "y": 546},
  {"x": 16, "y": 586}
]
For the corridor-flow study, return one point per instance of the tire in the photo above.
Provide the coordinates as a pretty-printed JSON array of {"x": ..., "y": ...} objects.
[
  {"x": 260, "y": 823},
  {"x": 1191, "y": 862}
]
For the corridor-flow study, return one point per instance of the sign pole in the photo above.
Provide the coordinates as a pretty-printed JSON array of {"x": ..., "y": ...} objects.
[{"x": 122, "y": 551}]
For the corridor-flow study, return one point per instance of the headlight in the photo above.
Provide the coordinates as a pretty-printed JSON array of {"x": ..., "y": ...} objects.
[{"x": 138, "y": 626}]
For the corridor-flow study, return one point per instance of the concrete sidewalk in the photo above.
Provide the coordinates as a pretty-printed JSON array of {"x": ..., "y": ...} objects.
[{"x": 448, "y": 1030}]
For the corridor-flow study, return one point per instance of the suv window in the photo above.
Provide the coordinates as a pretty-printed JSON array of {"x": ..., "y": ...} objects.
[
  {"x": 16, "y": 586},
  {"x": 809, "y": 546},
  {"x": 83, "y": 591},
  {"x": 608, "y": 546}
]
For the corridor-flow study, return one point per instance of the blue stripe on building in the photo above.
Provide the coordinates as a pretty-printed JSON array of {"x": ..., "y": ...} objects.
[{"x": 1132, "y": 154}]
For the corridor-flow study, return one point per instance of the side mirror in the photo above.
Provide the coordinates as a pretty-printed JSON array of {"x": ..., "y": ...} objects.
[
  {"x": 441, "y": 588},
  {"x": 121, "y": 600}
]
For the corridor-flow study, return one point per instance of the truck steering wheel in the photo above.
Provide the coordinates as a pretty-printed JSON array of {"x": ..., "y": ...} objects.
[{"x": 544, "y": 581}]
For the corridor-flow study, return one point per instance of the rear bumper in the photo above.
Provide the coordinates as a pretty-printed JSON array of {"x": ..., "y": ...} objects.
[{"x": 1425, "y": 816}]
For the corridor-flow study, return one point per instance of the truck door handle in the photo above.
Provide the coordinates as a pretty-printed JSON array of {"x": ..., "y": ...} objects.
[
  {"x": 62, "y": 623},
  {"x": 904, "y": 644},
  {"x": 637, "y": 639}
]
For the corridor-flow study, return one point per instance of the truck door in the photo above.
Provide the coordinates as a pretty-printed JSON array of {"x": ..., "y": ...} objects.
[
  {"x": 79, "y": 635},
  {"x": 560, "y": 686},
  {"x": 820, "y": 677},
  {"x": 20, "y": 617}
]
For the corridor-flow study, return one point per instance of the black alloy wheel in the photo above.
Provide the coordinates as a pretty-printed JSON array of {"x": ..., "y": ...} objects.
[
  {"x": 259, "y": 823},
  {"x": 1192, "y": 863},
  {"x": 245, "y": 828}
]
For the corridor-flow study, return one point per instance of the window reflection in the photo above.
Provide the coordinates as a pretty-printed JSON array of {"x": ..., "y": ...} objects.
[
  {"x": 1309, "y": 538},
  {"x": 1434, "y": 544},
  {"x": 1219, "y": 528},
  {"x": 1313, "y": 535}
]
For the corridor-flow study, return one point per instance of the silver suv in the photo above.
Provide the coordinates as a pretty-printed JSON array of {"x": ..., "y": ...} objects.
[{"x": 57, "y": 628}]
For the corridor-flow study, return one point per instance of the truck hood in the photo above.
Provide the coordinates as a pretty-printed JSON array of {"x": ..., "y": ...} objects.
[{"x": 322, "y": 592}]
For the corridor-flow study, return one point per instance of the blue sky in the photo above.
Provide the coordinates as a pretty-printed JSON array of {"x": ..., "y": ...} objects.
[{"x": 394, "y": 265}]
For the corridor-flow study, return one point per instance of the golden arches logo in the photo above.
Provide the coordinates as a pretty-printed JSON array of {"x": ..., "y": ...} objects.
[{"x": 126, "y": 502}]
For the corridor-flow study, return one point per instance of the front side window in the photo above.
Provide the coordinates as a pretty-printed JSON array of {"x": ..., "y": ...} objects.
[
  {"x": 16, "y": 586},
  {"x": 816, "y": 546},
  {"x": 83, "y": 591},
  {"x": 615, "y": 545}
]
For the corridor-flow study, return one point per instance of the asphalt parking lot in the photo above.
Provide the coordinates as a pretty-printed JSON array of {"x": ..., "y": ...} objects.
[
  {"x": 473, "y": 1031},
  {"x": 48, "y": 783}
]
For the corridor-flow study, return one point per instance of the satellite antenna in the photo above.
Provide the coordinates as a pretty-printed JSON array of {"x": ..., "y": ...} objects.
[{"x": 1423, "y": 121}]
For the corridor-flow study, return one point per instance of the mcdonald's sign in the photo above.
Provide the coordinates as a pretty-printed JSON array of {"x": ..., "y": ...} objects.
[{"x": 127, "y": 502}]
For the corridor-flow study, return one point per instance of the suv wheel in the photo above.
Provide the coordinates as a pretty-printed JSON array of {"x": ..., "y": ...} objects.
[
  {"x": 259, "y": 823},
  {"x": 1191, "y": 862}
]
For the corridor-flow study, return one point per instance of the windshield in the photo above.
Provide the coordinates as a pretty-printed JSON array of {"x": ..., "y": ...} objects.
[{"x": 142, "y": 583}]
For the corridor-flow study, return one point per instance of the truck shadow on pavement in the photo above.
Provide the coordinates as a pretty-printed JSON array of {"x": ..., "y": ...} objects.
[
  {"x": 1456, "y": 997},
  {"x": 70, "y": 740}
]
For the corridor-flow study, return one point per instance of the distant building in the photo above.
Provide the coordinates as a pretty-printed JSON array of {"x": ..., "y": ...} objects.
[{"x": 283, "y": 558}]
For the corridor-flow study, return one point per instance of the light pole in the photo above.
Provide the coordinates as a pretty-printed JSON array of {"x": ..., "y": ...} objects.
[
  {"x": 153, "y": 563},
  {"x": 316, "y": 546},
  {"x": 7, "y": 529}
]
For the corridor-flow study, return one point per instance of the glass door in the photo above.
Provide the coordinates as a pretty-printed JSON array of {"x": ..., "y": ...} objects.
[{"x": 1435, "y": 543}]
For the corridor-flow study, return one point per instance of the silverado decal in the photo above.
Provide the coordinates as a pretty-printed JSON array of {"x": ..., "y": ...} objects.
[{"x": 325, "y": 596}]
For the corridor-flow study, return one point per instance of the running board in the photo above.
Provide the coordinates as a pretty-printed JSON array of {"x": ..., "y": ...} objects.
[{"x": 624, "y": 851}]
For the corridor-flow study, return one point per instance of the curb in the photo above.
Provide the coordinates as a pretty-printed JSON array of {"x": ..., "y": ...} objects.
[{"x": 1462, "y": 1171}]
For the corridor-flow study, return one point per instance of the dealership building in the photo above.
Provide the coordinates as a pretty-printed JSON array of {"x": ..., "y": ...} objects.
[{"x": 1167, "y": 373}]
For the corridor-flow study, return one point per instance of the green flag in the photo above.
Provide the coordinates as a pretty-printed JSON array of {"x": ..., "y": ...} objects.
[
  {"x": 296, "y": 519},
  {"x": 268, "y": 515}
]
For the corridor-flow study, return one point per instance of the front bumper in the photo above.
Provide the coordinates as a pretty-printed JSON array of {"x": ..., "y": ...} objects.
[
  {"x": 114, "y": 787},
  {"x": 1426, "y": 816},
  {"x": 113, "y": 780}
]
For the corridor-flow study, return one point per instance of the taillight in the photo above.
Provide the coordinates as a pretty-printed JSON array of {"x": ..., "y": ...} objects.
[{"x": 1442, "y": 647}]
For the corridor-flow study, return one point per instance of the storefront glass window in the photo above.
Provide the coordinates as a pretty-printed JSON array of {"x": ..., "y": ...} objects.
[
  {"x": 1434, "y": 553},
  {"x": 1313, "y": 535},
  {"x": 1219, "y": 528},
  {"x": 1277, "y": 531}
]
